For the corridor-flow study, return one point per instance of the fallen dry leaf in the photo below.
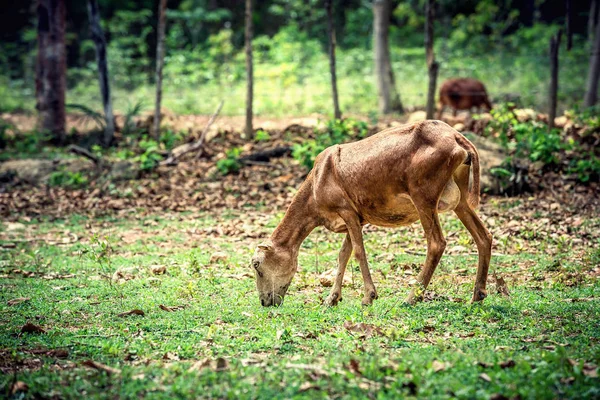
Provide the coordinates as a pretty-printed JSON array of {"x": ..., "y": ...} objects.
[
  {"x": 170, "y": 308},
  {"x": 501, "y": 286},
  {"x": 18, "y": 386},
  {"x": 101, "y": 367},
  {"x": 132, "y": 312},
  {"x": 438, "y": 366},
  {"x": 18, "y": 300},
  {"x": 306, "y": 386},
  {"x": 31, "y": 328},
  {"x": 171, "y": 357},
  {"x": 365, "y": 330},
  {"x": 218, "y": 256},
  {"x": 158, "y": 269},
  {"x": 485, "y": 377},
  {"x": 354, "y": 367},
  {"x": 507, "y": 364},
  {"x": 218, "y": 365},
  {"x": 327, "y": 278}
]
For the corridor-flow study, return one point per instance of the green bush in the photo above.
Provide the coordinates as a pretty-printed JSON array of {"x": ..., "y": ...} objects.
[
  {"x": 67, "y": 179},
  {"x": 150, "y": 157},
  {"x": 335, "y": 132},
  {"x": 230, "y": 163}
]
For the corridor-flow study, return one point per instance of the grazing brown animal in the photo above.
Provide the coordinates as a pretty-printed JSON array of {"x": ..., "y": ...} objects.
[
  {"x": 462, "y": 94},
  {"x": 393, "y": 178}
]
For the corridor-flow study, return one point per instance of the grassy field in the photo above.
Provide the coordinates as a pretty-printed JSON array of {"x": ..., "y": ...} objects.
[
  {"x": 204, "y": 334},
  {"x": 295, "y": 86}
]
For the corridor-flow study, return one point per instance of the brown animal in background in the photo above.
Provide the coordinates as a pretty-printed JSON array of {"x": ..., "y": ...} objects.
[
  {"x": 462, "y": 94},
  {"x": 393, "y": 178}
]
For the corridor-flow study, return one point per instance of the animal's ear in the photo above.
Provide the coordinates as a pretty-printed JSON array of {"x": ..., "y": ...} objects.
[{"x": 265, "y": 246}]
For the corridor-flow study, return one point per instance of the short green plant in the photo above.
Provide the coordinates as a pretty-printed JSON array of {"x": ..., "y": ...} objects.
[
  {"x": 230, "y": 163},
  {"x": 168, "y": 138},
  {"x": 150, "y": 157},
  {"x": 67, "y": 179},
  {"x": 262, "y": 136},
  {"x": 587, "y": 169},
  {"x": 335, "y": 132}
]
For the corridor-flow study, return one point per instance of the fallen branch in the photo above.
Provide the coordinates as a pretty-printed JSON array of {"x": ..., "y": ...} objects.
[
  {"x": 85, "y": 153},
  {"x": 266, "y": 155},
  {"x": 179, "y": 151}
]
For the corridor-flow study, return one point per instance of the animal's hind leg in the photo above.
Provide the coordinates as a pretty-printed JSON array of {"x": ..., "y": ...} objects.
[
  {"x": 335, "y": 295},
  {"x": 436, "y": 245},
  {"x": 480, "y": 234}
]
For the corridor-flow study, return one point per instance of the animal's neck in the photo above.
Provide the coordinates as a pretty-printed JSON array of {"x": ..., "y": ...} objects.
[{"x": 299, "y": 221}]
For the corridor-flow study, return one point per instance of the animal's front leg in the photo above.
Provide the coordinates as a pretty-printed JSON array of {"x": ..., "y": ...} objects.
[
  {"x": 335, "y": 295},
  {"x": 355, "y": 233},
  {"x": 435, "y": 248}
]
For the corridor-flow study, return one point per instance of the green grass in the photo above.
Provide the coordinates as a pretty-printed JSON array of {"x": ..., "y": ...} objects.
[
  {"x": 296, "y": 87},
  {"x": 437, "y": 349}
]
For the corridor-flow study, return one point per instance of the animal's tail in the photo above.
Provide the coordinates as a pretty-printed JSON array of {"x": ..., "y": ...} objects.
[{"x": 473, "y": 160}]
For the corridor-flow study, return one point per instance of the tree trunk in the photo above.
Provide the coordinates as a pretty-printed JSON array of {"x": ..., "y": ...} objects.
[
  {"x": 100, "y": 42},
  {"x": 160, "y": 59},
  {"x": 249, "y": 71},
  {"x": 592, "y": 20},
  {"x": 591, "y": 90},
  {"x": 554, "y": 50},
  {"x": 389, "y": 100},
  {"x": 51, "y": 68},
  {"x": 432, "y": 65},
  {"x": 331, "y": 33}
]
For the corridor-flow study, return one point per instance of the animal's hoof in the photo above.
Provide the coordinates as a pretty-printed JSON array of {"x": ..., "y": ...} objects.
[
  {"x": 369, "y": 297},
  {"x": 411, "y": 300},
  {"x": 332, "y": 300},
  {"x": 479, "y": 295}
]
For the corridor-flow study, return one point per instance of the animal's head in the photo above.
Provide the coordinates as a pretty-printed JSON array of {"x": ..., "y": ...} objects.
[{"x": 274, "y": 268}]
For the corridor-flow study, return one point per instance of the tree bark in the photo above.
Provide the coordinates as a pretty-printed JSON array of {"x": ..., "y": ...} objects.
[
  {"x": 249, "y": 71},
  {"x": 592, "y": 20},
  {"x": 432, "y": 64},
  {"x": 331, "y": 33},
  {"x": 389, "y": 100},
  {"x": 160, "y": 59},
  {"x": 591, "y": 90},
  {"x": 51, "y": 68},
  {"x": 100, "y": 42},
  {"x": 554, "y": 51}
]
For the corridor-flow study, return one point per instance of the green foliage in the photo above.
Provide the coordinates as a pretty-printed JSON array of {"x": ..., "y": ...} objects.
[
  {"x": 149, "y": 158},
  {"x": 334, "y": 132},
  {"x": 587, "y": 169},
  {"x": 69, "y": 179},
  {"x": 88, "y": 114},
  {"x": 230, "y": 163},
  {"x": 169, "y": 138},
  {"x": 262, "y": 136},
  {"x": 133, "y": 110}
]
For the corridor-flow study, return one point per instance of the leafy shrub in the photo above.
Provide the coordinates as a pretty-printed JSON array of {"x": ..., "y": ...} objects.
[
  {"x": 150, "y": 157},
  {"x": 335, "y": 131},
  {"x": 262, "y": 136},
  {"x": 587, "y": 169},
  {"x": 67, "y": 179},
  {"x": 168, "y": 138},
  {"x": 230, "y": 163}
]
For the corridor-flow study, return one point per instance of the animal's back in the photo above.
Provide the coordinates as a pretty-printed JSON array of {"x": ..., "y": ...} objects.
[
  {"x": 375, "y": 175},
  {"x": 464, "y": 93}
]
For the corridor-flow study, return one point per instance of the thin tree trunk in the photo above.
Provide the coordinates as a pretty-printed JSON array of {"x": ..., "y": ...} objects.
[
  {"x": 554, "y": 51},
  {"x": 51, "y": 68},
  {"x": 432, "y": 65},
  {"x": 100, "y": 42},
  {"x": 592, "y": 20},
  {"x": 389, "y": 100},
  {"x": 249, "y": 71},
  {"x": 591, "y": 90},
  {"x": 160, "y": 59},
  {"x": 331, "y": 33}
]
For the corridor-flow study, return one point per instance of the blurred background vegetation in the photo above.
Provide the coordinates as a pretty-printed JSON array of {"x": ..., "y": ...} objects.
[{"x": 503, "y": 43}]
